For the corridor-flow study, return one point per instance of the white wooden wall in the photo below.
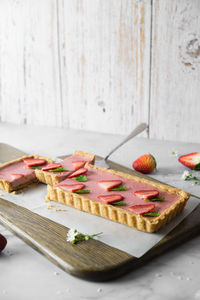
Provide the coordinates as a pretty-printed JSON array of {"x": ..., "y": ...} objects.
[{"x": 102, "y": 65}]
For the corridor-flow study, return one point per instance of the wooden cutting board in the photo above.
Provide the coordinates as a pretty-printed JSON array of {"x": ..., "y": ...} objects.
[{"x": 91, "y": 260}]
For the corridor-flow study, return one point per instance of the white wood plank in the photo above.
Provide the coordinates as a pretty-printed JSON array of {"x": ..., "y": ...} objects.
[
  {"x": 29, "y": 68},
  {"x": 105, "y": 54},
  {"x": 175, "y": 103}
]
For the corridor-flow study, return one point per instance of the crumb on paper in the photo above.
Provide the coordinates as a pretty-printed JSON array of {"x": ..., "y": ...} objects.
[
  {"x": 14, "y": 193},
  {"x": 49, "y": 206},
  {"x": 59, "y": 209}
]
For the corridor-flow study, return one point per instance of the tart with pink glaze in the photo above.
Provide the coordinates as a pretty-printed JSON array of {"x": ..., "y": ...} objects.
[
  {"x": 134, "y": 201},
  {"x": 19, "y": 173},
  {"x": 57, "y": 172}
]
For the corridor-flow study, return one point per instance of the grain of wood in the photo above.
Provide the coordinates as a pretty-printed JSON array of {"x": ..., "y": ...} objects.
[
  {"x": 29, "y": 70},
  {"x": 104, "y": 49},
  {"x": 175, "y": 89}
]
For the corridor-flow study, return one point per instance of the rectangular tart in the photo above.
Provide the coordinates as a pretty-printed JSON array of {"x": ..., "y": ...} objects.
[
  {"x": 15, "y": 174},
  {"x": 173, "y": 203},
  {"x": 53, "y": 178}
]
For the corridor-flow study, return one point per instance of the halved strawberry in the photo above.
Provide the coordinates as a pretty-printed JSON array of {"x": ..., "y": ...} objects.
[
  {"x": 110, "y": 198},
  {"x": 78, "y": 164},
  {"x": 32, "y": 162},
  {"x": 145, "y": 164},
  {"x": 78, "y": 172},
  {"x": 51, "y": 167},
  {"x": 109, "y": 184},
  {"x": 16, "y": 176},
  {"x": 191, "y": 160},
  {"x": 71, "y": 187},
  {"x": 142, "y": 209},
  {"x": 146, "y": 194}
]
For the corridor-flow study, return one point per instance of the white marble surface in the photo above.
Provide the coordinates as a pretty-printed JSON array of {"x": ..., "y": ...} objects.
[{"x": 27, "y": 274}]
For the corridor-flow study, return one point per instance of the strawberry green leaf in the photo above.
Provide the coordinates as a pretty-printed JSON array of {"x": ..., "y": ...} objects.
[
  {"x": 119, "y": 203},
  {"x": 83, "y": 192},
  {"x": 60, "y": 169},
  {"x": 81, "y": 178},
  {"x": 197, "y": 167},
  {"x": 152, "y": 214},
  {"x": 119, "y": 188},
  {"x": 155, "y": 199}
]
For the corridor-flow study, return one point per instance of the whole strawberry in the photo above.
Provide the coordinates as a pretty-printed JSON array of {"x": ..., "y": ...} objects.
[
  {"x": 145, "y": 164},
  {"x": 3, "y": 242}
]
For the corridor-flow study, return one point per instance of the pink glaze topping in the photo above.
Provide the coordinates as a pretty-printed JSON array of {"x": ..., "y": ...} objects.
[{"x": 94, "y": 176}]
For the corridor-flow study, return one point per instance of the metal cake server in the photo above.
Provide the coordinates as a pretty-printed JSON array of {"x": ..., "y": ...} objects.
[{"x": 103, "y": 162}]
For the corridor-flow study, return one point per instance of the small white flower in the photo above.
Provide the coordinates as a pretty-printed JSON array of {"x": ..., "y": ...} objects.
[
  {"x": 71, "y": 235},
  {"x": 186, "y": 174},
  {"x": 174, "y": 153}
]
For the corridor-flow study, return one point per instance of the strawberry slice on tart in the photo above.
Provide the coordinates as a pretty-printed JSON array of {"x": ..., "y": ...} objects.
[
  {"x": 142, "y": 209},
  {"x": 33, "y": 162},
  {"x": 71, "y": 187},
  {"x": 110, "y": 198},
  {"x": 52, "y": 166},
  {"x": 146, "y": 194},
  {"x": 78, "y": 164},
  {"x": 16, "y": 176},
  {"x": 79, "y": 172},
  {"x": 191, "y": 160},
  {"x": 109, "y": 184}
]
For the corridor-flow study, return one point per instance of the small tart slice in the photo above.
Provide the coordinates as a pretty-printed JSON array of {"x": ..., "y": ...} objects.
[
  {"x": 19, "y": 173},
  {"x": 69, "y": 164}
]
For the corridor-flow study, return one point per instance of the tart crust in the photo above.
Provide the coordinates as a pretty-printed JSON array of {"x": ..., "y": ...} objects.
[
  {"x": 7, "y": 186},
  {"x": 53, "y": 179},
  {"x": 146, "y": 224}
]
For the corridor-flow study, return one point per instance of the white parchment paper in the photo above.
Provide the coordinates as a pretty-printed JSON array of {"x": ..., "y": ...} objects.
[{"x": 122, "y": 237}]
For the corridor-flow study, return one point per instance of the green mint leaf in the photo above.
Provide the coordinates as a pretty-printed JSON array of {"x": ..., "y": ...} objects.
[
  {"x": 83, "y": 192},
  {"x": 81, "y": 178},
  {"x": 119, "y": 188},
  {"x": 152, "y": 214},
  {"x": 35, "y": 167},
  {"x": 155, "y": 199},
  {"x": 60, "y": 169},
  {"x": 120, "y": 203}
]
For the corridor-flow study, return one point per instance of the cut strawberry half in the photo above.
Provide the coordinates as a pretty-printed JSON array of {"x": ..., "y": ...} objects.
[
  {"x": 32, "y": 162},
  {"x": 142, "y": 209},
  {"x": 51, "y": 167},
  {"x": 109, "y": 184},
  {"x": 78, "y": 172},
  {"x": 71, "y": 187},
  {"x": 147, "y": 194},
  {"x": 191, "y": 160},
  {"x": 78, "y": 164},
  {"x": 16, "y": 176},
  {"x": 110, "y": 198}
]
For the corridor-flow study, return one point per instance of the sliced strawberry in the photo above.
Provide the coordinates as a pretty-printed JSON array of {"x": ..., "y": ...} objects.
[
  {"x": 32, "y": 162},
  {"x": 78, "y": 164},
  {"x": 191, "y": 160},
  {"x": 145, "y": 164},
  {"x": 51, "y": 167},
  {"x": 146, "y": 194},
  {"x": 16, "y": 176},
  {"x": 110, "y": 198},
  {"x": 78, "y": 172},
  {"x": 142, "y": 209},
  {"x": 71, "y": 187},
  {"x": 109, "y": 184}
]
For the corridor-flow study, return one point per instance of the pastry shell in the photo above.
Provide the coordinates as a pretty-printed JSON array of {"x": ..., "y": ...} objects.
[
  {"x": 53, "y": 179},
  {"x": 139, "y": 222},
  {"x": 7, "y": 186}
]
